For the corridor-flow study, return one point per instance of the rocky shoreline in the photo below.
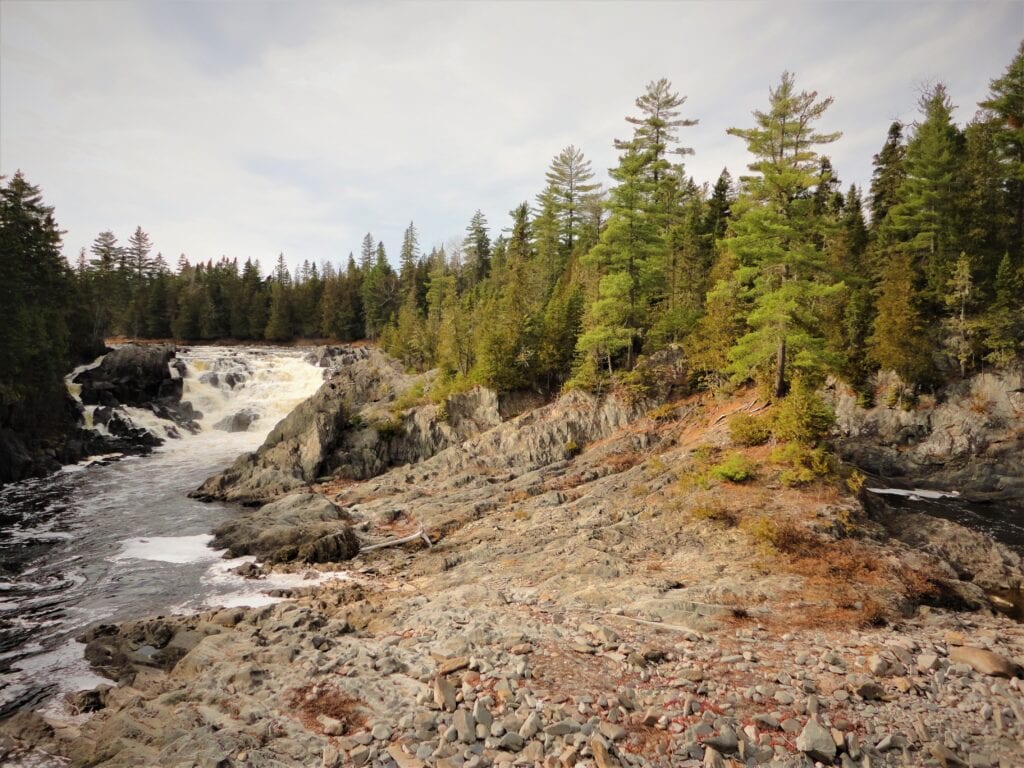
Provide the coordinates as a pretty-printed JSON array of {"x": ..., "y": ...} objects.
[{"x": 586, "y": 598}]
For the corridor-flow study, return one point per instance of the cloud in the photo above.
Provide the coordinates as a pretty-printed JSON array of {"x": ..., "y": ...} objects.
[{"x": 250, "y": 130}]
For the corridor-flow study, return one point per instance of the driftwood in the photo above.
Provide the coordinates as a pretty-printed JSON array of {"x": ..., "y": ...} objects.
[{"x": 420, "y": 534}]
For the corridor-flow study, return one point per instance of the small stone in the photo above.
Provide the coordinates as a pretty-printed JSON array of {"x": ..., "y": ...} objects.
[
  {"x": 404, "y": 760},
  {"x": 815, "y": 741},
  {"x": 877, "y": 664},
  {"x": 783, "y": 698},
  {"x": 601, "y": 755},
  {"x": 725, "y": 742},
  {"x": 481, "y": 713},
  {"x": 562, "y": 728},
  {"x": 453, "y": 665},
  {"x": 870, "y": 691},
  {"x": 444, "y": 694},
  {"x": 612, "y": 731},
  {"x": 465, "y": 726},
  {"x": 331, "y": 726},
  {"x": 712, "y": 759},
  {"x": 381, "y": 732},
  {"x": 926, "y": 662},
  {"x": 511, "y": 742},
  {"x": 531, "y": 727},
  {"x": 984, "y": 661},
  {"x": 521, "y": 649}
]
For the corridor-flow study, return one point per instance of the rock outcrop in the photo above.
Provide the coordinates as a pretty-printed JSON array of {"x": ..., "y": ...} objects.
[
  {"x": 303, "y": 526},
  {"x": 353, "y": 427},
  {"x": 969, "y": 437}
]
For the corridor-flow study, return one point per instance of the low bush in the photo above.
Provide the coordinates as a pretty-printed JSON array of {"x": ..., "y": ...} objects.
[
  {"x": 735, "y": 468},
  {"x": 802, "y": 417},
  {"x": 746, "y": 429}
]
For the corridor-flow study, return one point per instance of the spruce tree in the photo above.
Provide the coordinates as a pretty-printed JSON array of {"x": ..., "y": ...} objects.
[{"x": 889, "y": 172}]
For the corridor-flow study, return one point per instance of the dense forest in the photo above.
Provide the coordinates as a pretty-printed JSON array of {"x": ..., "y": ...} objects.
[{"x": 778, "y": 276}]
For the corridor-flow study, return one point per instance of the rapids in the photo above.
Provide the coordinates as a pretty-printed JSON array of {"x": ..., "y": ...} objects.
[{"x": 109, "y": 540}]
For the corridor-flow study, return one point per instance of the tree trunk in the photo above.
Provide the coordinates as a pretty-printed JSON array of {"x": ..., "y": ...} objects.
[{"x": 780, "y": 369}]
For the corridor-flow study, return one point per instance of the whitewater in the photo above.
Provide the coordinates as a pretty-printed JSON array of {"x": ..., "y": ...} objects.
[{"x": 117, "y": 537}]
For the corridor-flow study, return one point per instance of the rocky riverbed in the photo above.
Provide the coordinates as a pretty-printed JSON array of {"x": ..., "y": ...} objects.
[{"x": 586, "y": 597}]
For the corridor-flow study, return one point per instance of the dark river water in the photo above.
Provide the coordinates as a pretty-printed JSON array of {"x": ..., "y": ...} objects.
[{"x": 121, "y": 539}]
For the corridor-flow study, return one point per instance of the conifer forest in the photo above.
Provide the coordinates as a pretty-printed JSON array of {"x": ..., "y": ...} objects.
[{"x": 776, "y": 273}]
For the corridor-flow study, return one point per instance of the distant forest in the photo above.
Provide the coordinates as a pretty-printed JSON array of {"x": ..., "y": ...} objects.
[{"x": 777, "y": 276}]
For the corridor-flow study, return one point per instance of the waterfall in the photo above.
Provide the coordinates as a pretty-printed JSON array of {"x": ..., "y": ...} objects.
[{"x": 114, "y": 540}]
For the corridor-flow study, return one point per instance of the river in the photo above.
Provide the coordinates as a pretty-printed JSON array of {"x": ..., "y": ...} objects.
[{"x": 117, "y": 539}]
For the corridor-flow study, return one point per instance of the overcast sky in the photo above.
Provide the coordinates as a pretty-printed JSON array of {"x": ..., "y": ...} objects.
[{"x": 247, "y": 128}]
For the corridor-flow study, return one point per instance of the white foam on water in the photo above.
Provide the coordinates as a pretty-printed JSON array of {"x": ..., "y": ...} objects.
[
  {"x": 252, "y": 592},
  {"x": 66, "y": 667},
  {"x": 916, "y": 494},
  {"x": 168, "y": 549}
]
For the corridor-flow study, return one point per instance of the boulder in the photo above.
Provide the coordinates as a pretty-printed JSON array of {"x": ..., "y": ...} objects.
[
  {"x": 238, "y": 422},
  {"x": 984, "y": 661},
  {"x": 131, "y": 375},
  {"x": 302, "y": 526}
]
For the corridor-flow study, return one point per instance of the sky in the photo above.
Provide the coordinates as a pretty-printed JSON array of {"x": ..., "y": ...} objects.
[{"x": 248, "y": 129}]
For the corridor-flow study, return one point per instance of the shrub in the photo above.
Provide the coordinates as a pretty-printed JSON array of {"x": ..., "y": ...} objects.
[
  {"x": 714, "y": 513},
  {"x": 802, "y": 417},
  {"x": 804, "y": 464},
  {"x": 736, "y": 468},
  {"x": 571, "y": 449},
  {"x": 745, "y": 429},
  {"x": 413, "y": 396}
]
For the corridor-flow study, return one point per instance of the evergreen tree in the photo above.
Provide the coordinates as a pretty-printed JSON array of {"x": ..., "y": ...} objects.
[
  {"x": 569, "y": 179},
  {"x": 35, "y": 289},
  {"x": 776, "y": 235},
  {"x": 924, "y": 217},
  {"x": 477, "y": 250},
  {"x": 367, "y": 253},
  {"x": 1006, "y": 100},
  {"x": 409, "y": 258},
  {"x": 899, "y": 326},
  {"x": 138, "y": 250},
  {"x": 888, "y": 174}
]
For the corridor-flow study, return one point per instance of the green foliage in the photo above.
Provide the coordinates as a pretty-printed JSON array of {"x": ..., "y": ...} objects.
[
  {"x": 734, "y": 468},
  {"x": 782, "y": 273},
  {"x": 746, "y": 429},
  {"x": 804, "y": 464},
  {"x": 802, "y": 417}
]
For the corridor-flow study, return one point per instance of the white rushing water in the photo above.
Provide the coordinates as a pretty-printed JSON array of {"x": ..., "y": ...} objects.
[{"x": 111, "y": 540}]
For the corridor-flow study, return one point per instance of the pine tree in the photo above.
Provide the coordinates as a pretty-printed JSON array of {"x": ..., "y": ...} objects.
[
  {"x": 367, "y": 253},
  {"x": 781, "y": 267},
  {"x": 1006, "y": 99},
  {"x": 138, "y": 250},
  {"x": 569, "y": 179}
]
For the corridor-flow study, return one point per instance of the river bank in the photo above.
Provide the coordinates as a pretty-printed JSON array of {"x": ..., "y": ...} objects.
[{"x": 588, "y": 597}]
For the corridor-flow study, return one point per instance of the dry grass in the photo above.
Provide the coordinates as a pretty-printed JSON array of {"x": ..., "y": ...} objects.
[
  {"x": 620, "y": 462},
  {"x": 310, "y": 701}
]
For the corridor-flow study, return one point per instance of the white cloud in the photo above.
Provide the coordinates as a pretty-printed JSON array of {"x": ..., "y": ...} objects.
[{"x": 248, "y": 130}]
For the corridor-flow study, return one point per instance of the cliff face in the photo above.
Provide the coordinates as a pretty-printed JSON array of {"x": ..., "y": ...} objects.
[{"x": 969, "y": 437}]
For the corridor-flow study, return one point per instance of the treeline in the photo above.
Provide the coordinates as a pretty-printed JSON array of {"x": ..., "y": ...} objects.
[{"x": 779, "y": 275}]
